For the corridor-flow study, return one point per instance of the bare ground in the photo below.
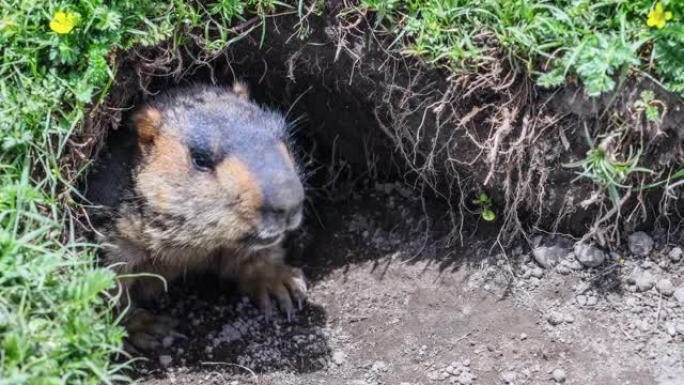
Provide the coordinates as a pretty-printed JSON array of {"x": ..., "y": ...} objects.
[{"x": 392, "y": 303}]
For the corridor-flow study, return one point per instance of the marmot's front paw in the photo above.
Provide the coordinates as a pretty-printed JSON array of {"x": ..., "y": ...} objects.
[
  {"x": 147, "y": 331},
  {"x": 266, "y": 279}
]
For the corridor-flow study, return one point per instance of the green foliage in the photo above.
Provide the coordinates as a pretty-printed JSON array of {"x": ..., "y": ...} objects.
[
  {"x": 608, "y": 172},
  {"x": 649, "y": 105},
  {"x": 56, "y": 319},
  {"x": 485, "y": 203},
  {"x": 668, "y": 56},
  {"x": 594, "y": 42}
]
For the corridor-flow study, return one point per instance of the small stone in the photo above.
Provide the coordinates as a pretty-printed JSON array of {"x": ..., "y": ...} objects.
[
  {"x": 645, "y": 282},
  {"x": 679, "y": 295},
  {"x": 640, "y": 243},
  {"x": 581, "y": 300},
  {"x": 676, "y": 254},
  {"x": 592, "y": 300},
  {"x": 569, "y": 318},
  {"x": 665, "y": 287},
  {"x": 509, "y": 377},
  {"x": 379, "y": 366},
  {"x": 575, "y": 265},
  {"x": 589, "y": 256},
  {"x": 555, "y": 318},
  {"x": 548, "y": 257},
  {"x": 563, "y": 269},
  {"x": 165, "y": 360},
  {"x": 671, "y": 330},
  {"x": 680, "y": 328},
  {"x": 167, "y": 341},
  {"x": 339, "y": 357},
  {"x": 558, "y": 375},
  {"x": 537, "y": 272},
  {"x": 523, "y": 337}
]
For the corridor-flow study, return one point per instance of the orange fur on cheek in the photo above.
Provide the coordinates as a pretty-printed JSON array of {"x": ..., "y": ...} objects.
[
  {"x": 166, "y": 164},
  {"x": 148, "y": 123},
  {"x": 235, "y": 177}
]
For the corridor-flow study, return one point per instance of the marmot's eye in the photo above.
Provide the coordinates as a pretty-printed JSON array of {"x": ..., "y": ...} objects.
[{"x": 201, "y": 160}]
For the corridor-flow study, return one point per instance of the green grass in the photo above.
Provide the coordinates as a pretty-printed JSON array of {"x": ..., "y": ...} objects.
[
  {"x": 56, "y": 320},
  {"x": 594, "y": 42}
]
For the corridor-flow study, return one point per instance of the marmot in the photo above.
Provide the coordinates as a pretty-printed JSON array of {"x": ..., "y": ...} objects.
[{"x": 206, "y": 181}]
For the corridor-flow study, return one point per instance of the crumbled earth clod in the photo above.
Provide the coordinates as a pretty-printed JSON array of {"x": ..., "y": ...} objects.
[
  {"x": 165, "y": 360},
  {"x": 665, "y": 287},
  {"x": 589, "y": 256},
  {"x": 679, "y": 295},
  {"x": 640, "y": 243},
  {"x": 558, "y": 375},
  {"x": 645, "y": 281},
  {"x": 556, "y": 318},
  {"x": 548, "y": 257}
]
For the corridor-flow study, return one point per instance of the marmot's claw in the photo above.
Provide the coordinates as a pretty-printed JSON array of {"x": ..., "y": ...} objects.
[
  {"x": 284, "y": 284},
  {"x": 147, "y": 331}
]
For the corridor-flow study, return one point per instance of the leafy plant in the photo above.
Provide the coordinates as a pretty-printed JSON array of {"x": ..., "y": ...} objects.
[
  {"x": 485, "y": 204},
  {"x": 607, "y": 171},
  {"x": 649, "y": 105},
  {"x": 593, "y": 42}
]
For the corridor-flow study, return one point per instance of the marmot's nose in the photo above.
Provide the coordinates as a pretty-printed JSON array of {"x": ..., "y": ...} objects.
[{"x": 282, "y": 203}]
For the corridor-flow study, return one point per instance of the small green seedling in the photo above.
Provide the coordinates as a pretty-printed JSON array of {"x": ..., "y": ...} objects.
[
  {"x": 649, "y": 105},
  {"x": 604, "y": 169},
  {"x": 485, "y": 203}
]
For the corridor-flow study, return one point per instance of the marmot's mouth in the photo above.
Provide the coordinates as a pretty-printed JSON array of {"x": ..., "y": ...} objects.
[{"x": 259, "y": 241}]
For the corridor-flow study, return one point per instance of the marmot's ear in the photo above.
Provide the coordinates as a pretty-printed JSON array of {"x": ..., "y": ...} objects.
[
  {"x": 147, "y": 121},
  {"x": 241, "y": 89}
]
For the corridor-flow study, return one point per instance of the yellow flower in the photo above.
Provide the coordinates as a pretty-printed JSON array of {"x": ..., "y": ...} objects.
[
  {"x": 657, "y": 17},
  {"x": 6, "y": 25},
  {"x": 63, "y": 22}
]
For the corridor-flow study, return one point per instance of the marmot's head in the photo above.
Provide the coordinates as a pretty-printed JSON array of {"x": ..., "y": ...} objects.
[{"x": 216, "y": 170}]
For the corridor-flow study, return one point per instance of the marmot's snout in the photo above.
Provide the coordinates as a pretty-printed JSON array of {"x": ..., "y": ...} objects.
[{"x": 282, "y": 198}]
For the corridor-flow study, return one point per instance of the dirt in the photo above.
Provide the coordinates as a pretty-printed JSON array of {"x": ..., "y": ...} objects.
[{"x": 391, "y": 302}]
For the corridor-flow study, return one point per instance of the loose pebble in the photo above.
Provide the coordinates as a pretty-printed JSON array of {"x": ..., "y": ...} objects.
[
  {"x": 167, "y": 341},
  {"x": 548, "y": 257},
  {"x": 165, "y": 360},
  {"x": 675, "y": 254},
  {"x": 589, "y": 256},
  {"x": 581, "y": 300},
  {"x": 339, "y": 357},
  {"x": 645, "y": 281},
  {"x": 558, "y": 375},
  {"x": 679, "y": 295},
  {"x": 537, "y": 272},
  {"x": 555, "y": 318},
  {"x": 509, "y": 376},
  {"x": 665, "y": 287},
  {"x": 640, "y": 243}
]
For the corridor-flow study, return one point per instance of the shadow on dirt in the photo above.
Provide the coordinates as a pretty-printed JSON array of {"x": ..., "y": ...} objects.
[{"x": 225, "y": 331}]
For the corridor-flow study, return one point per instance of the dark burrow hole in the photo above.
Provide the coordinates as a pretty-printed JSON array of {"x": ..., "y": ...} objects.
[{"x": 362, "y": 207}]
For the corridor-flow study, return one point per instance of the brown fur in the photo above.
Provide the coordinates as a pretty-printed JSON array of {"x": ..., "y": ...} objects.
[{"x": 182, "y": 219}]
